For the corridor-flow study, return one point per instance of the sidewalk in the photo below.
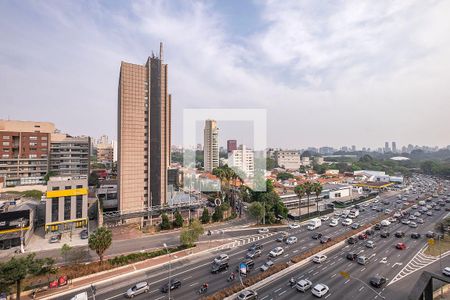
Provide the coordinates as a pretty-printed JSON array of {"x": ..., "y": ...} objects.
[{"x": 78, "y": 284}]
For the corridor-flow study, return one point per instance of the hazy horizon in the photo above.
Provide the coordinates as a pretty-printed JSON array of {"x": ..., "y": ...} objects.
[{"x": 340, "y": 74}]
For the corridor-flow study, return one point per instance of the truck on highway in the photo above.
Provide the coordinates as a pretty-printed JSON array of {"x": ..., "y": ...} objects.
[
  {"x": 80, "y": 296},
  {"x": 314, "y": 223}
]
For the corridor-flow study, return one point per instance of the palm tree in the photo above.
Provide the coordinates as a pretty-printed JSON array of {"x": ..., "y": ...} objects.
[
  {"x": 308, "y": 191},
  {"x": 300, "y": 191},
  {"x": 317, "y": 188}
]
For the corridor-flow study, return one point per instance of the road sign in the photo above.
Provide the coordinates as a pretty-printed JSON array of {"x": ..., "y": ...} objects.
[{"x": 346, "y": 275}]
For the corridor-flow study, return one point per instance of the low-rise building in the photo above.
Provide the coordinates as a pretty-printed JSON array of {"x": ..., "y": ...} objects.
[
  {"x": 289, "y": 160},
  {"x": 16, "y": 222},
  {"x": 66, "y": 206}
]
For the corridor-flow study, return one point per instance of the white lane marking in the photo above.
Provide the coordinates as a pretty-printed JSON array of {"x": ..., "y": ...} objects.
[
  {"x": 361, "y": 288},
  {"x": 195, "y": 283},
  {"x": 333, "y": 275},
  {"x": 277, "y": 290},
  {"x": 363, "y": 269},
  {"x": 187, "y": 278},
  {"x": 264, "y": 297},
  {"x": 327, "y": 295},
  {"x": 282, "y": 293},
  {"x": 346, "y": 281}
]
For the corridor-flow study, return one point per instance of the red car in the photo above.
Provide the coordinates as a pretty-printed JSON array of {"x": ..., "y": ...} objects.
[
  {"x": 362, "y": 236},
  {"x": 400, "y": 246}
]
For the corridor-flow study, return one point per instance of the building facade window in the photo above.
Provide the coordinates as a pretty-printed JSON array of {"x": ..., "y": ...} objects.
[
  {"x": 5, "y": 143},
  {"x": 67, "y": 208},
  {"x": 5, "y": 155},
  {"x": 79, "y": 186},
  {"x": 6, "y": 137},
  {"x": 67, "y": 187},
  {"x": 79, "y": 205},
  {"x": 33, "y": 138},
  {"x": 55, "y": 188},
  {"x": 55, "y": 209},
  {"x": 32, "y": 156}
]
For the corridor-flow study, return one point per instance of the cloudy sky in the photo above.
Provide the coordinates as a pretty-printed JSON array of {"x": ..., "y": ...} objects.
[{"x": 328, "y": 72}]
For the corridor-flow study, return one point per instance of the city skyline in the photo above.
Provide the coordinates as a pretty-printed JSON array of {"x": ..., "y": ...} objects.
[{"x": 407, "y": 86}]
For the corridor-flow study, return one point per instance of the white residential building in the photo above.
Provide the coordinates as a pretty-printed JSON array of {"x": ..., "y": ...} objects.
[{"x": 242, "y": 159}]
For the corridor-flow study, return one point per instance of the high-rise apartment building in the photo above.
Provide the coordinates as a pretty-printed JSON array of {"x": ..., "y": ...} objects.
[
  {"x": 394, "y": 147},
  {"x": 211, "y": 145},
  {"x": 386, "y": 147},
  {"x": 231, "y": 145},
  {"x": 144, "y": 134},
  {"x": 24, "y": 151},
  {"x": 69, "y": 156},
  {"x": 243, "y": 160}
]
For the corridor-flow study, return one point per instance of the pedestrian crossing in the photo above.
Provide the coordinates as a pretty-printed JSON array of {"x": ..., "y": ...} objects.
[
  {"x": 245, "y": 240},
  {"x": 419, "y": 261}
]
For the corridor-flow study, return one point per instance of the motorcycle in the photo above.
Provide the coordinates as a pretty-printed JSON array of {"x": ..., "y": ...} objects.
[
  {"x": 292, "y": 282},
  {"x": 202, "y": 290},
  {"x": 231, "y": 278}
]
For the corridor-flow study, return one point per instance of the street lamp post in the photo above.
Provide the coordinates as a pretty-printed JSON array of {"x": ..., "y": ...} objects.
[{"x": 170, "y": 267}]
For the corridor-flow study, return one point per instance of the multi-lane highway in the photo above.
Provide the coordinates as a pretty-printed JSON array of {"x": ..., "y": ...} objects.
[{"x": 193, "y": 272}]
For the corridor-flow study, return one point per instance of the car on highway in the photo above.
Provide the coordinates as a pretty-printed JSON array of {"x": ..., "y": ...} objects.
[
  {"x": 263, "y": 230},
  {"x": 247, "y": 295},
  {"x": 414, "y": 206},
  {"x": 370, "y": 232},
  {"x": 362, "y": 236},
  {"x": 294, "y": 226},
  {"x": 221, "y": 258},
  {"x": 316, "y": 236},
  {"x": 399, "y": 234},
  {"x": 84, "y": 234},
  {"x": 385, "y": 234},
  {"x": 355, "y": 226},
  {"x": 174, "y": 284},
  {"x": 412, "y": 217},
  {"x": 249, "y": 265},
  {"x": 325, "y": 239},
  {"x": 430, "y": 234},
  {"x": 324, "y": 218},
  {"x": 400, "y": 246},
  {"x": 334, "y": 222},
  {"x": 217, "y": 268},
  {"x": 362, "y": 260},
  {"x": 266, "y": 265},
  {"x": 276, "y": 252},
  {"x": 347, "y": 222},
  {"x": 291, "y": 240},
  {"x": 137, "y": 289},
  {"x": 319, "y": 258},
  {"x": 320, "y": 290},
  {"x": 405, "y": 221},
  {"x": 370, "y": 244},
  {"x": 303, "y": 285},
  {"x": 253, "y": 254},
  {"x": 437, "y": 208},
  {"x": 351, "y": 256},
  {"x": 415, "y": 235},
  {"x": 446, "y": 271},
  {"x": 255, "y": 246},
  {"x": 429, "y": 213},
  {"x": 419, "y": 221},
  {"x": 417, "y": 214},
  {"x": 413, "y": 225},
  {"x": 377, "y": 226},
  {"x": 377, "y": 281},
  {"x": 351, "y": 240},
  {"x": 385, "y": 223},
  {"x": 283, "y": 237}
]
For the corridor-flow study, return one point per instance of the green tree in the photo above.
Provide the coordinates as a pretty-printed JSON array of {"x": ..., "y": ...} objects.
[
  {"x": 65, "y": 250},
  {"x": 48, "y": 175},
  {"x": 93, "y": 179},
  {"x": 317, "y": 190},
  {"x": 190, "y": 235},
  {"x": 165, "y": 224},
  {"x": 284, "y": 176},
  {"x": 100, "y": 240},
  {"x": 178, "y": 222},
  {"x": 218, "y": 214},
  {"x": 16, "y": 270},
  {"x": 205, "y": 216},
  {"x": 271, "y": 163},
  {"x": 256, "y": 210}
]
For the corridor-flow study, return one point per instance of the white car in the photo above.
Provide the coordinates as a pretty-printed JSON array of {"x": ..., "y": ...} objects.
[
  {"x": 294, "y": 226},
  {"x": 222, "y": 258},
  {"x": 347, "y": 222},
  {"x": 291, "y": 240},
  {"x": 303, "y": 285},
  {"x": 370, "y": 244},
  {"x": 137, "y": 289},
  {"x": 446, "y": 271},
  {"x": 325, "y": 218},
  {"x": 319, "y": 258},
  {"x": 320, "y": 290},
  {"x": 263, "y": 230},
  {"x": 385, "y": 223},
  {"x": 334, "y": 222},
  {"x": 414, "y": 206},
  {"x": 276, "y": 252}
]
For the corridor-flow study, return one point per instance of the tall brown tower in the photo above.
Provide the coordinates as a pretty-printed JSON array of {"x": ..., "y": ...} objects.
[{"x": 144, "y": 134}]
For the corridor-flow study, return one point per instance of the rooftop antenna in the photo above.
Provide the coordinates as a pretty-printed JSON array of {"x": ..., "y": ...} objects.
[{"x": 160, "y": 51}]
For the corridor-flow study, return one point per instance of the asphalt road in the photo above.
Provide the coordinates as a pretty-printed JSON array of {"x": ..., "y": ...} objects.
[
  {"x": 386, "y": 261},
  {"x": 194, "y": 272}
]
